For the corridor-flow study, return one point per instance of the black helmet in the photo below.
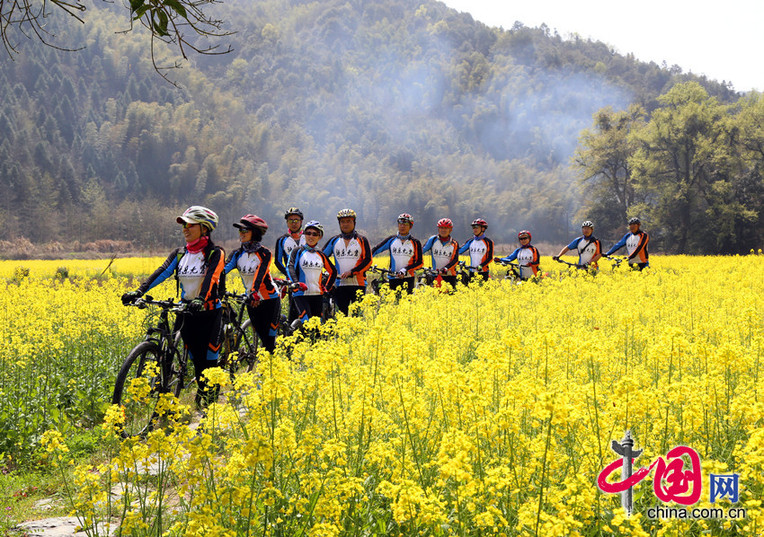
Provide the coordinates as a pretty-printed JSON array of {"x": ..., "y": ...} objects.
[{"x": 293, "y": 210}]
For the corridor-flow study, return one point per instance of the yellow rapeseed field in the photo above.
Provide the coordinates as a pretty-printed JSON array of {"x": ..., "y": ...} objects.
[{"x": 489, "y": 411}]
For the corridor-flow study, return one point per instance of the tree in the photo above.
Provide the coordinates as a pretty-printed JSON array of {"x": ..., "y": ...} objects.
[
  {"x": 174, "y": 22},
  {"x": 682, "y": 153},
  {"x": 603, "y": 164}
]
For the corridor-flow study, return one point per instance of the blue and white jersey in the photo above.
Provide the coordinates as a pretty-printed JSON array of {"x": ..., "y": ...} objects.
[
  {"x": 480, "y": 250},
  {"x": 587, "y": 248},
  {"x": 444, "y": 254},
  {"x": 352, "y": 255},
  {"x": 405, "y": 253},
  {"x": 636, "y": 246},
  {"x": 306, "y": 265},
  {"x": 284, "y": 247}
]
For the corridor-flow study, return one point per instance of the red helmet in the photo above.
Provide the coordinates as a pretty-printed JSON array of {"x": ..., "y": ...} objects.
[
  {"x": 251, "y": 221},
  {"x": 445, "y": 222},
  {"x": 524, "y": 233},
  {"x": 405, "y": 218},
  {"x": 479, "y": 222}
]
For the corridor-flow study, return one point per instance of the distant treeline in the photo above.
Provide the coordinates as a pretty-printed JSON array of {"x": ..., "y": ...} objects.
[{"x": 383, "y": 107}]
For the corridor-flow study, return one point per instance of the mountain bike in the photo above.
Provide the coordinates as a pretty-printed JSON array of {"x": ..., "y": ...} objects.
[
  {"x": 513, "y": 270},
  {"x": 428, "y": 277},
  {"x": 376, "y": 284},
  {"x": 616, "y": 261},
  {"x": 160, "y": 360},
  {"x": 240, "y": 342}
]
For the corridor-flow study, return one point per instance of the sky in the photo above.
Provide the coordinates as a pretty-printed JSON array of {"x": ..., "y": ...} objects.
[{"x": 723, "y": 40}]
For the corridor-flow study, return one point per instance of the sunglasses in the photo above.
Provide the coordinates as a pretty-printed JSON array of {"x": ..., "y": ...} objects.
[
  {"x": 186, "y": 225},
  {"x": 293, "y": 220},
  {"x": 311, "y": 233},
  {"x": 476, "y": 226},
  {"x": 524, "y": 238},
  {"x": 403, "y": 221},
  {"x": 242, "y": 230}
]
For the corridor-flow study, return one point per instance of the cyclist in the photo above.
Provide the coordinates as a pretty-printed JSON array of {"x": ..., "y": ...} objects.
[
  {"x": 636, "y": 245},
  {"x": 253, "y": 261},
  {"x": 405, "y": 254},
  {"x": 480, "y": 249},
  {"x": 198, "y": 269},
  {"x": 285, "y": 244},
  {"x": 527, "y": 256},
  {"x": 587, "y": 246},
  {"x": 306, "y": 266},
  {"x": 352, "y": 258},
  {"x": 444, "y": 251}
]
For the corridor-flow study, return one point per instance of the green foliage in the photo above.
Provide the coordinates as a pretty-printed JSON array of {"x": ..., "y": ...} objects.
[
  {"x": 692, "y": 170},
  {"x": 383, "y": 107}
]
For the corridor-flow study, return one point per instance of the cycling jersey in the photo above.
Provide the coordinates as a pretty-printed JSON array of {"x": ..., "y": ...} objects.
[
  {"x": 587, "y": 248},
  {"x": 528, "y": 258},
  {"x": 306, "y": 265},
  {"x": 352, "y": 255},
  {"x": 405, "y": 253},
  {"x": 445, "y": 254},
  {"x": 254, "y": 269},
  {"x": 636, "y": 246},
  {"x": 199, "y": 274},
  {"x": 481, "y": 252},
  {"x": 284, "y": 246}
]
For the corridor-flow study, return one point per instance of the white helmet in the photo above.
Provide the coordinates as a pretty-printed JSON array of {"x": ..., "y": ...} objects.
[{"x": 196, "y": 214}]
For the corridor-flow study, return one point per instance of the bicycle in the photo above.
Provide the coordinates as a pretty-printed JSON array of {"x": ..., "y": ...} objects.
[
  {"x": 616, "y": 261},
  {"x": 428, "y": 277},
  {"x": 160, "y": 360},
  {"x": 377, "y": 283},
  {"x": 285, "y": 288},
  {"x": 513, "y": 270},
  {"x": 240, "y": 341}
]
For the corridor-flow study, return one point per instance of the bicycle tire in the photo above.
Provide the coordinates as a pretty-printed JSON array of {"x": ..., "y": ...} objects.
[
  {"x": 140, "y": 415},
  {"x": 247, "y": 345}
]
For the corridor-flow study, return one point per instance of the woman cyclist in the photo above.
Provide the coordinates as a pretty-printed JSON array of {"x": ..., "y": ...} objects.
[
  {"x": 527, "y": 256},
  {"x": 198, "y": 268},
  {"x": 253, "y": 261},
  {"x": 307, "y": 264}
]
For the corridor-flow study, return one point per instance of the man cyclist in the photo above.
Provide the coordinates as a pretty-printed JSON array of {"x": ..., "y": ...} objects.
[
  {"x": 444, "y": 251},
  {"x": 284, "y": 246},
  {"x": 480, "y": 249},
  {"x": 352, "y": 258},
  {"x": 405, "y": 254},
  {"x": 636, "y": 245},
  {"x": 587, "y": 246},
  {"x": 527, "y": 256}
]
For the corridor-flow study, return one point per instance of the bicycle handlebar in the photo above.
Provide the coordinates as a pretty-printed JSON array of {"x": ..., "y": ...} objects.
[
  {"x": 169, "y": 304},
  {"x": 576, "y": 265}
]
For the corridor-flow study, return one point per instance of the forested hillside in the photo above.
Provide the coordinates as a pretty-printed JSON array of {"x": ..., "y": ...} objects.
[{"x": 382, "y": 106}]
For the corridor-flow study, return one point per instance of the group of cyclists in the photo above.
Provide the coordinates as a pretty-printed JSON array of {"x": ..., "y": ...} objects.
[{"x": 340, "y": 267}]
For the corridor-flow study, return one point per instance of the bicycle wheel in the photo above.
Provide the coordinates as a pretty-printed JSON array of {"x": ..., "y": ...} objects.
[
  {"x": 240, "y": 348},
  {"x": 152, "y": 373}
]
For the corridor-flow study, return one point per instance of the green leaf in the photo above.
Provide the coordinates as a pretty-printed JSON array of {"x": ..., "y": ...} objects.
[
  {"x": 177, "y": 7},
  {"x": 140, "y": 12},
  {"x": 135, "y": 5},
  {"x": 161, "y": 25}
]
